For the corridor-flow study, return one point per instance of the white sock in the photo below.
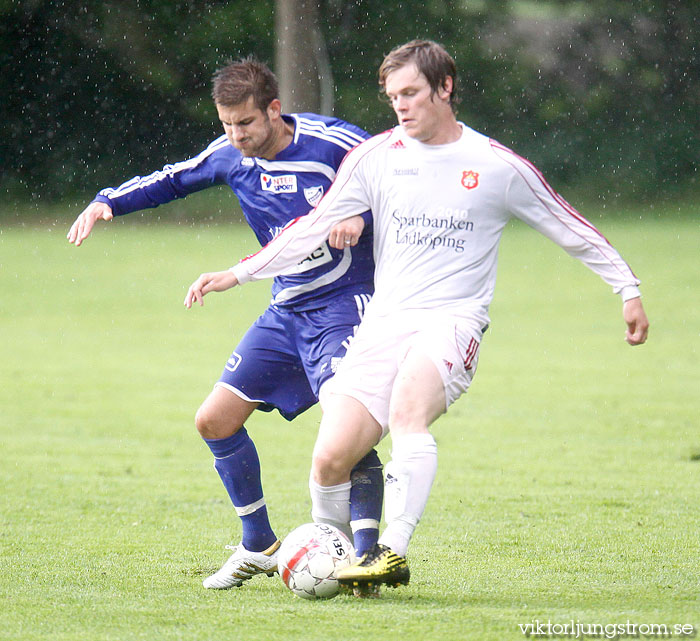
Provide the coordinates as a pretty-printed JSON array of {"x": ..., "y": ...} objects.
[
  {"x": 331, "y": 505},
  {"x": 409, "y": 477}
]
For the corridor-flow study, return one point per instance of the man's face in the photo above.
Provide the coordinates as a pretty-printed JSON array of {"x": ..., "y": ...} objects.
[
  {"x": 421, "y": 114},
  {"x": 248, "y": 129}
]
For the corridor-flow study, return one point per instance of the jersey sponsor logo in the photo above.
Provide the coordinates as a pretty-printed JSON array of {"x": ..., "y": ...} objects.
[
  {"x": 440, "y": 231},
  {"x": 233, "y": 362},
  {"x": 286, "y": 184},
  {"x": 417, "y": 239},
  {"x": 313, "y": 195},
  {"x": 452, "y": 220},
  {"x": 247, "y": 162},
  {"x": 470, "y": 179},
  {"x": 405, "y": 171},
  {"x": 320, "y": 256}
]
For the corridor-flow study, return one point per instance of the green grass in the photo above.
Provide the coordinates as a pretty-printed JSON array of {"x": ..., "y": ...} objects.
[{"x": 568, "y": 482}]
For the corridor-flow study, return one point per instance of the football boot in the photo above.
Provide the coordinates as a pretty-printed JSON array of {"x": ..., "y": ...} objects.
[
  {"x": 243, "y": 565},
  {"x": 380, "y": 565}
]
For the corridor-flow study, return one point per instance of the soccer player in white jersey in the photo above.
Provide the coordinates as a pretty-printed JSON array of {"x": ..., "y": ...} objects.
[
  {"x": 440, "y": 194},
  {"x": 279, "y": 166}
]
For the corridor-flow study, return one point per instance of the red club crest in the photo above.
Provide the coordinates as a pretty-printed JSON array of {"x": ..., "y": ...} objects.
[{"x": 470, "y": 179}]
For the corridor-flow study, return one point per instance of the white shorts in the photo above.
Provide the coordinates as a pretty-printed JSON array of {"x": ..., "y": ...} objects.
[{"x": 369, "y": 369}]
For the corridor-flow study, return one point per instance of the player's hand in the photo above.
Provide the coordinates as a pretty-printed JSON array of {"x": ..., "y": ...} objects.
[
  {"x": 637, "y": 322},
  {"x": 211, "y": 282},
  {"x": 84, "y": 223},
  {"x": 346, "y": 233}
]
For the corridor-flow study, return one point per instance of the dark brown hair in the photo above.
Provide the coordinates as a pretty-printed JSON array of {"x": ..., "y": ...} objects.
[
  {"x": 431, "y": 59},
  {"x": 240, "y": 79}
]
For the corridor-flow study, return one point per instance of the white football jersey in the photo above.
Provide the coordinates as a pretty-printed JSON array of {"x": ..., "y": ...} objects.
[{"x": 439, "y": 212}]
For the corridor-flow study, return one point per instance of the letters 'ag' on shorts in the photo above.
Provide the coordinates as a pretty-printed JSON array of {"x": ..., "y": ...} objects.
[
  {"x": 381, "y": 344},
  {"x": 285, "y": 356}
]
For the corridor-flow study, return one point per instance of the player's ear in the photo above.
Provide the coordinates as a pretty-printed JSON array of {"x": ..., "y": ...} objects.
[
  {"x": 274, "y": 109},
  {"x": 445, "y": 91}
]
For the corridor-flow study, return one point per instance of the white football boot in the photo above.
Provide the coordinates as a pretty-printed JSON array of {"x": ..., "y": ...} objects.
[{"x": 243, "y": 565}]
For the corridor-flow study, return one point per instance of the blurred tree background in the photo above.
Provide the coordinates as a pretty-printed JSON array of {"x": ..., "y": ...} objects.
[{"x": 603, "y": 96}]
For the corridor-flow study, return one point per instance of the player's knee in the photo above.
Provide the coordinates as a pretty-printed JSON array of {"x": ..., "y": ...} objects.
[
  {"x": 203, "y": 422},
  {"x": 327, "y": 468},
  {"x": 211, "y": 424}
]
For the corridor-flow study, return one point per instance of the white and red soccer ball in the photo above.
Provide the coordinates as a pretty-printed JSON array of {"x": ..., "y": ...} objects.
[{"x": 310, "y": 557}]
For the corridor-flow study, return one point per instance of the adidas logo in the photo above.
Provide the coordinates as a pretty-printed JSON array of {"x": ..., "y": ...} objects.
[{"x": 397, "y": 145}]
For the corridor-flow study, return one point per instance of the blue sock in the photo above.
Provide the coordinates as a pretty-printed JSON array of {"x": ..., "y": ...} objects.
[
  {"x": 366, "y": 496},
  {"x": 236, "y": 460}
]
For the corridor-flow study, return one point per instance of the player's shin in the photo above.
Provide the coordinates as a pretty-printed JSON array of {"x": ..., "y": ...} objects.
[
  {"x": 236, "y": 460},
  {"x": 409, "y": 477},
  {"x": 366, "y": 497},
  {"x": 331, "y": 505}
]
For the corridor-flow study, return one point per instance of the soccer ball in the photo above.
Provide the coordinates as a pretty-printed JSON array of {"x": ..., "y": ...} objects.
[{"x": 310, "y": 557}]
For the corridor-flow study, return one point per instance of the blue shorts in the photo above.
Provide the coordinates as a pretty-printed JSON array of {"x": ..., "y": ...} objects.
[{"x": 285, "y": 356}]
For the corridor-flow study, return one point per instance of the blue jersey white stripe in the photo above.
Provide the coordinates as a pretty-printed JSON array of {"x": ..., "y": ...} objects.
[
  {"x": 167, "y": 171},
  {"x": 296, "y": 166},
  {"x": 326, "y": 278},
  {"x": 318, "y": 128},
  {"x": 271, "y": 194}
]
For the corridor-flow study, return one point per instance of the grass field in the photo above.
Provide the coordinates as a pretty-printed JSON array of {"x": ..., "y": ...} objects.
[{"x": 568, "y": 486}]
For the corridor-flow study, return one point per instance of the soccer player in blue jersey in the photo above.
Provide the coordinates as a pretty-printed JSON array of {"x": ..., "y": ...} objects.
[{"x": 279, "y": 166}]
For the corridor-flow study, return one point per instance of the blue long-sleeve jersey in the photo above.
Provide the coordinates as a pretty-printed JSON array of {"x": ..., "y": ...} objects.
[{"x": 271, "y": 194}]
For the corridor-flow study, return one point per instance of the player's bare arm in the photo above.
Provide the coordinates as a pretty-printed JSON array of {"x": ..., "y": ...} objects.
[
  {"x": 637, "y": 322},
  {"x": 209, "y": 282},
  {"x": 84, "y": 223},
  {"x": 346, "y": 233}
]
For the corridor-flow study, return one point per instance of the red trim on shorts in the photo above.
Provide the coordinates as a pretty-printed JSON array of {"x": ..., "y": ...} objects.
[{"x": 471, "y": 353}]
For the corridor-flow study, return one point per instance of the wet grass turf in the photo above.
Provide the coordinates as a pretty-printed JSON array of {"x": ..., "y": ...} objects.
[{"x": 567, "y": 487}]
